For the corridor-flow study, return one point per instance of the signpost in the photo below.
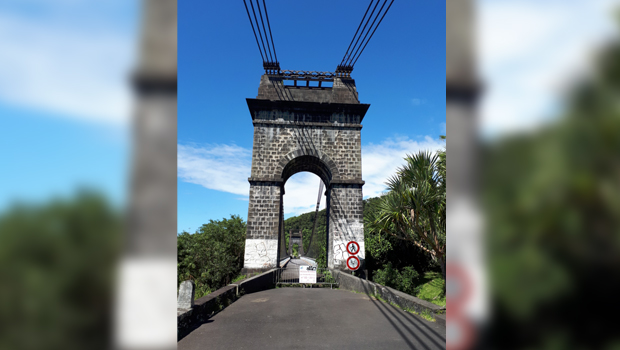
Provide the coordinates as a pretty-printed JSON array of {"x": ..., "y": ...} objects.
[
  {"x": 353, "y": 248},
  {"x": 353, "y": 262},
  {"x": 307, "y": 274}
]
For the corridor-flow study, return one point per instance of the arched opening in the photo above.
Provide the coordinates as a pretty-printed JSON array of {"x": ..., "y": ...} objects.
[
  {"x": 310, "y": 164},
  {"x": 306, "y": 179}
]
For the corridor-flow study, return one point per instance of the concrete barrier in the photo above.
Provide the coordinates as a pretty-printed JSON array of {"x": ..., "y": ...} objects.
[
  {"x": 254, "y": 284},
  {"x": 203, "y": 309},
  {"x": 402, "y": 300},
  {"x": 207, "y": 306}
]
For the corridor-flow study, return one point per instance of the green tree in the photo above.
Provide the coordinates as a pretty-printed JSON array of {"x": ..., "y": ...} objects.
[
  {"x": 213, "y": 256},
  {"x": 552, "y": 208},
  {"x": 414, "y": 209},
  {"x": 57, "y": 265},
  {"x": 295, "y": 252}
]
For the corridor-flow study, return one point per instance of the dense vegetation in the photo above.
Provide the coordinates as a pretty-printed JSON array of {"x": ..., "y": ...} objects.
[
  {"x": 405, "y": 229},
  {"x": 552, "y": 204},
  {"x": 414, "y": 208},
  {"x": 213, "y": 256},
  {"x": 385, "y": 252},
  {"x": 57, "y": 266}
]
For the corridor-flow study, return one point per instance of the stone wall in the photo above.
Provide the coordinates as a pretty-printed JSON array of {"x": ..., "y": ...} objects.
[
  {"x": 316, "y": 130},
  {"x": 346, "y": 223},
  {"x": 277, "y": 145},
  {"x": 393, "y": 296},
  {"x": 207, "y": 306}
]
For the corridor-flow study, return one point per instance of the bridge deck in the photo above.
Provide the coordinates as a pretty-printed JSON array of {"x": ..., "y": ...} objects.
[
  {"x": 298, "y": 318},
  {"x": 295, "y": 263}
]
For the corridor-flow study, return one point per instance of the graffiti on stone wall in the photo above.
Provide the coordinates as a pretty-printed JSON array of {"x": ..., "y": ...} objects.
[{"x": 260, "y": 253}]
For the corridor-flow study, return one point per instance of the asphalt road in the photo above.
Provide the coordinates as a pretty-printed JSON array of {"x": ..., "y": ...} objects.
[{"x": 313, "y": 318}]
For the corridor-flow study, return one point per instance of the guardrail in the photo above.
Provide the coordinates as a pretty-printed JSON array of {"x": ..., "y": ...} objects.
[{"x": 283, "y": 276}]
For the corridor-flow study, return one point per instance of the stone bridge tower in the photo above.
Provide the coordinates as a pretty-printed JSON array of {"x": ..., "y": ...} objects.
[{"x": 305, "y": 126}]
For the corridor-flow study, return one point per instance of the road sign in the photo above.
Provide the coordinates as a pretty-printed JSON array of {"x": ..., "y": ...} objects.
[
  {"x": 353, "y": 248},
  {"x": 307, "y": 274},
  {"x": 353, "y": 263}
]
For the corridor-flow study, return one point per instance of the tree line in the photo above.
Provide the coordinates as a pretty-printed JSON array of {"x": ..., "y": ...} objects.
[{"x": 404, "y": 233}]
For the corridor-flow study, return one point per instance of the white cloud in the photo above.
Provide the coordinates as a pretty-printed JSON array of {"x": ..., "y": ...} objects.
[
  {"x": 226, "y": 168},
  {"x": 301, "y": 193},
  {"x": 75, "y": 68},
  {"x": 219, "y": 167},
  {"x": 531, "y": 52},
  {"x": 380, "y": 161},
  {"x": 418, "y": 101}
]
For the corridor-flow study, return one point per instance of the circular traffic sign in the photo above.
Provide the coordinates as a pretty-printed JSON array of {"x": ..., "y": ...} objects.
[
  {"x": 353, "y": 263},
  {"x": 353, "y": 247},
  {"x": 460, "y": 334},
  {"x": 458, "y": 286}
]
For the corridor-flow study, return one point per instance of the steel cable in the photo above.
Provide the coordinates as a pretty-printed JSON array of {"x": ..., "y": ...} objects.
[
  {"x": 373, "y": 32},
  {"x": 253, "y": 30},
  {"x": 260, "y": 14},
  {"x": 259, "y": 33},
  {"x": 358, "y": 29},
  {"x": 363, "y": 29},
  {"x": 269, "y": 26}
]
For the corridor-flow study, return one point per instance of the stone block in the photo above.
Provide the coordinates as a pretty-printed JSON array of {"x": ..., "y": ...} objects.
[{"x": 186, "y": 295}]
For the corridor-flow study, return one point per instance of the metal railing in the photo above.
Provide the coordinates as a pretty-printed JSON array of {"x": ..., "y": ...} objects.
[{"x": 291, "y": 276}]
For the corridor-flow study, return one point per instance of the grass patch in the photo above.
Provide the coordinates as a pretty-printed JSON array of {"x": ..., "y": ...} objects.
[
  {"x": 432, "y": 289},
  {"x": 239, "y": 278},
  {"x": 425, "y": 314}
]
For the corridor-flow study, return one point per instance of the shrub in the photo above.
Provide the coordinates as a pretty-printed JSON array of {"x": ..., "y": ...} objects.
[
  {"x": 404, "y": 281},
  {"x": 212, "y": 256}
]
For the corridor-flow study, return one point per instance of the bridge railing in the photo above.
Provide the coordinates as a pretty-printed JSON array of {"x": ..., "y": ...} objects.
[{"x": 285, "y": 276}]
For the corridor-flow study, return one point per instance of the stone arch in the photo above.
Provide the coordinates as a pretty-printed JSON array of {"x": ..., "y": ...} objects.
[
  {"x": 310, "y": 160},
  {"x": 312, "y": 133}
]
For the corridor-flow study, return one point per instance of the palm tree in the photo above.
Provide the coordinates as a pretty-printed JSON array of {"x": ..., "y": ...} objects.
[{"x": 414, "y": 209}]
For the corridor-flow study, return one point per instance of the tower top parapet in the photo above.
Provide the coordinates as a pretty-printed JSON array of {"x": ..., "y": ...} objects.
[{"x": 308, "y": 86}]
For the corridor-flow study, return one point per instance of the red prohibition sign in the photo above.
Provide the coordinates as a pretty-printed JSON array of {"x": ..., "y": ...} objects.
[
  {"x": 357, "y": 249},
  {"x": 458, "y": 285},
  {"x": 357, "y": 265}
]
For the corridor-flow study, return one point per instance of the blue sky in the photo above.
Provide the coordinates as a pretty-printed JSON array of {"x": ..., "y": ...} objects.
[
  {"x": 401, "y": 74},
  {"x": 65, "y": 104},
  {"x": 65, "y": 101}
]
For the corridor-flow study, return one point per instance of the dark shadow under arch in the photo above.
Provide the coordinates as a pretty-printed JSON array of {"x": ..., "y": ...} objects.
[{"x": 310, "y": 164}]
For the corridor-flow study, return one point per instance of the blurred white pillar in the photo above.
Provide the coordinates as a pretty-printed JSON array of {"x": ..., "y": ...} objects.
[
  {"x": 467, "y": 302},
  {"x": 146, "y": 299}
]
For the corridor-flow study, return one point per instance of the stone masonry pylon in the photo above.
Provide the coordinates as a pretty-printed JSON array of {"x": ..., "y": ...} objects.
[{"x": 305, "y": 128}]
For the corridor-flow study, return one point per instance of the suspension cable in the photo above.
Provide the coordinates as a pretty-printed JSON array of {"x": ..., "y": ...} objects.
[
  {"x": 358, "y": 29},
  {"x": 373, "y": 32},
  {"x": 353, "y": 54},
  {"x": 265, "y": 31},
  {"x": 259, "y": 33},
  {"x": 316, "y": 216},
  {"x": 363, "y": 29},
  {"x": 253, "y": 30},
  {"x": 269, "y": 26}
]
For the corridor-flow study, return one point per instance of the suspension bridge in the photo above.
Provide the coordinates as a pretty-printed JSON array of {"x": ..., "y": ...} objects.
[{"x": 308, "y": 121}]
